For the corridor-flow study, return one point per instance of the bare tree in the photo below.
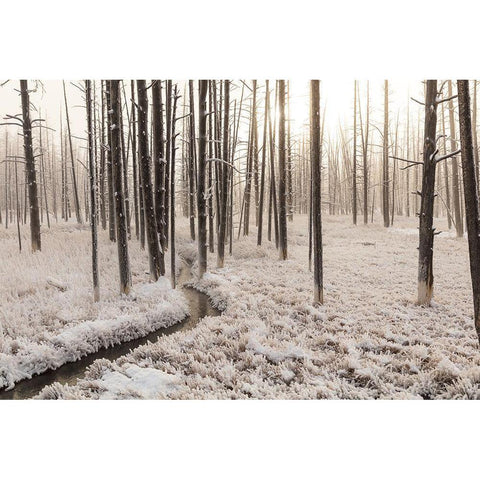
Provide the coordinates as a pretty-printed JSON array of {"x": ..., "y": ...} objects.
[
  {"x": 264, "y": 161},
  {"x": 30, "y": 168},
  {"x": 354, "y": 177},
  {"x": 455, "y": 183},
  {"x": 93, "y": 196},
  {"x": 316, "y": 161},
  {"x": 426, "y": 231},
  {"x": 471, "y": 195},
  {"x": 385, "y": 188},
  {"x": 74, "y": 177},
  {"x": 201, "y": 200},
  {"x": 222, "y": 230},
  {"x": 156, "y": 257},
  {"x": 120, "y": 220},
  {"x": 282, "y": 214}
]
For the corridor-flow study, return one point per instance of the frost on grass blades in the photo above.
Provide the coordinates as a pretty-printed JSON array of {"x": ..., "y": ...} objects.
[{"x": 340, "y": 244}]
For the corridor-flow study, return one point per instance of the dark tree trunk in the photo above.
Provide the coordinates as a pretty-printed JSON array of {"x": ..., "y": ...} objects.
[
  {"x": 426, "y": 230},
  {"x": 222, "y": 230},
  {"x": 111, "y": 201},
  {"x": 156, "y": 257},
  {"x": 30, "y": 168},
  {"x": 168, "y": 157},
  {"x": 385, "y": 190},
  {"x": 455, "y": 182},
  {"x": 201, "y": 201},
  {"x": 172, "y": 190},
  {"x": 158, "y": 159},
  {"x": 121, "y": 224},
  {"x": 191, "y": 161},
  {"x": 134, "y": 159},
  {"x": 282, "y": 194},
  {"x": 316, "y": 160},
  {"x": 354, "y": 177},
  {"x": 264, "y": 161},
  {"x": 93, "y": 196},
  {"x": 470, "y": 190},
  {"x": 103, "y": 147}
]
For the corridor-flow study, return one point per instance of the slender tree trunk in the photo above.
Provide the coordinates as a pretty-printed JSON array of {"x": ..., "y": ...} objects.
[
  {"x": 111, "y": 200},
  {"x": 474, "y": 132},
  {"x": 93, "y": 200},
  {"x": 158, "y": 160},
  {"x": 264, "y": 161},
  {"x": 354, "y": 177},
  {"x": 470, "y": 194},
  {"x": 104, "y": 144},
  {"x": 211, "y": 139},
  {"x": 124, "y": 166},
  {"x": 191, "y": 161},
  {"x": 455, "y": 183},
  {"x": 134, "y": 160},
  {"x": 121, "y": 224},
  {"x": 386, "y": 209},
  {"x": 168, "y": 157},
  {"x": 222, "y": 231},
  {"x": 172, "y": 190},
  {"x": 17, "y": 208},
  {"x": 30, "y": 168},
  {"x": 156, "y": 257},
  {"x": 74, "y": 177},
  {"x": 282, "y": 218},
  {"x": 316, "y": 160},
  {"x": 426, "y": 230},
  {"x": 201, "y": 201}
]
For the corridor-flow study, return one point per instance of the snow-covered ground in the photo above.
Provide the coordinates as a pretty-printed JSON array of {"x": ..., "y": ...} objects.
[
  {"x": 47, "y": 313},
  {"x": 369, "y": 340}
]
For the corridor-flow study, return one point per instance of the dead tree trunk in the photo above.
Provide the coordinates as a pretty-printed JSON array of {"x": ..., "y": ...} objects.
[
  {"x": 385, "y": 190},
  {"x": 282, "y": 214},
  {"x": 455, "y": 185},
  {"x": 158, "y": 159},
  {"x": 74, "y": 177},
  {"x": 354, "y": 177},
  {"x": 426, "y": 230},
  {"x": 264, "y": 161},
  {"x": 156, "y": 257},
  {"x": 191, "y": 161},
  {"x": 103, "y": 147},
  {"x": 172, "y": 190},
  {"x": 134, "y": 159},
  {"x": 30, "y": 167},
  {"x": 111, "y": 201},
  {"x": 365, "y": 139},
  {"x": 120, "y": 221},
  {"x": 93, "y": 196},
  {"x": 201, "y": 200},
  {"x": 222, "y": 230},
  {"x": 316, "y": 161},
  {"x": 471, "y": 195}
]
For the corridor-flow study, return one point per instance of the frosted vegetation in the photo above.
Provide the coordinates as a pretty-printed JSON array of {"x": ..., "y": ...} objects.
[
  {"x": 47, "y": 314},
  {"x": 369, "y": 339}
]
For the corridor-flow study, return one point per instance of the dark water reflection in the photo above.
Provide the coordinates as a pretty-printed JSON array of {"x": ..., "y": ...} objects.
[{"x": 199, "y": 306}]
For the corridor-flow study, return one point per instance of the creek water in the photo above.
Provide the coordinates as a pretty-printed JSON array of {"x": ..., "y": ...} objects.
[{"x": 199, "y": 307}]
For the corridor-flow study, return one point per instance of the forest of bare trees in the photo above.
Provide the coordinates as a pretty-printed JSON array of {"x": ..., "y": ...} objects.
[{"x": 222, "y": 153}]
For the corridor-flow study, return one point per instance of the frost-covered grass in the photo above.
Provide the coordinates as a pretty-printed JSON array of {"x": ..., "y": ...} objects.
[
  {"x": 369, "y": 340},
  {"x": 47, "y": 313}
]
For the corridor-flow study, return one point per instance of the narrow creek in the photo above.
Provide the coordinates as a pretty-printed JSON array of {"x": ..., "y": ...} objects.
[{"x": 199, "y": 307}]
